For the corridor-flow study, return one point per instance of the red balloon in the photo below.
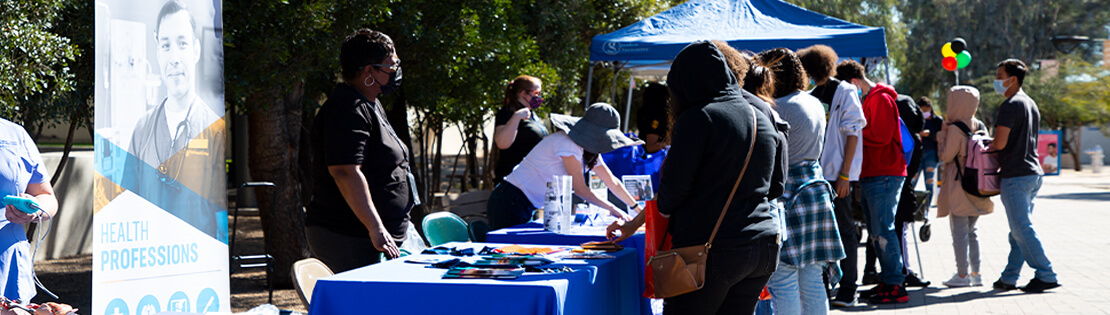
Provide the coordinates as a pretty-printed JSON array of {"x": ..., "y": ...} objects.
[{"x": 950, "y": 63}]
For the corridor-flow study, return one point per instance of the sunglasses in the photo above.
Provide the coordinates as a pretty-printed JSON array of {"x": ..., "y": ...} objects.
[{"x": 393, "y": 67}]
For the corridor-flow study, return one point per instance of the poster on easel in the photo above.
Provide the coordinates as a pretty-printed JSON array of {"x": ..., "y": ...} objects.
[
  {"x": 1048, "y": 151},
  {"x": 160, "y": 198}
]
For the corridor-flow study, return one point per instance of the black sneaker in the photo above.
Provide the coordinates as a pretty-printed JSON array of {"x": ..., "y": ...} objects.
[
  {"x": 1004, "y": 286},
  {"x": 913, "y": 281},
  {"x": 867, "y": 294},
  {"x": 1038, "y": 286},
  {"x": 844, "y": 300},
  {"x": 870, "y": 277},
  {"x": 889, "y": 294}
]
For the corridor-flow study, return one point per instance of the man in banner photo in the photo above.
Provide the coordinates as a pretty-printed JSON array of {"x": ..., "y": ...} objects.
[{"x": 179, "y": 141}]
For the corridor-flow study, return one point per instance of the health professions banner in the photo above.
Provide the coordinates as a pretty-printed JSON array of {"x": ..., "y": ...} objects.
[{"x": 160, "y": 223}]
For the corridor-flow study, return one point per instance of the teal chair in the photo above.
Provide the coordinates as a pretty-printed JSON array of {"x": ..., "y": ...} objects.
[
  {"x": 444, "y": 227},
  {"x": 478, "y": 230}
]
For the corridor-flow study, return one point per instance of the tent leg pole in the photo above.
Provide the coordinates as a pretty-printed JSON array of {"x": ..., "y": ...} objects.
[
  {"x": 888, "y": 80},
  {"x": 589, "y": 84},
  {"x": 628, "y": 106},
  {"x": 613, "y": 86}
]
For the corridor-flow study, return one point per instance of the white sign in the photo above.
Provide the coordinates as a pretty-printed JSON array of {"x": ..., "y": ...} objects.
[{"x": 160, "y": 222}]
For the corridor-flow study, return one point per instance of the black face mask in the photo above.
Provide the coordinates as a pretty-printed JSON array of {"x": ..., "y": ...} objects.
[{"x": 393, "y": 84}]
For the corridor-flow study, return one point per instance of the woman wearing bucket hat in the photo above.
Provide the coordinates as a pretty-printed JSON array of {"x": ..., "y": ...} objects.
[{"x": 573, "y": 150}]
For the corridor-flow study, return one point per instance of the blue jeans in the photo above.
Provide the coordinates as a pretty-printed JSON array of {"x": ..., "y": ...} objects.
[
  {"x": 1025, "y": 246},
  {"x": 798, "y": 291},
  {"x": 508, "y": 206},
  {"x": 929, "y": 166},
  {"x": 880, "y": 203}
]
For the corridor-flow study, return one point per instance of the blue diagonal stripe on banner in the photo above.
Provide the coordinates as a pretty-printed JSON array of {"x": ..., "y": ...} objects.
[{"x": 113, "y": 163}]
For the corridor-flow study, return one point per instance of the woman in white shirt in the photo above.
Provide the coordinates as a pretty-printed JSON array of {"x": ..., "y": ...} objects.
[{"x": 573, "y": 150}]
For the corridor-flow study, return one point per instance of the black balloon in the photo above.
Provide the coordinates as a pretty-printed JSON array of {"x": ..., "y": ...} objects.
[{"x": 958, "y": 45}]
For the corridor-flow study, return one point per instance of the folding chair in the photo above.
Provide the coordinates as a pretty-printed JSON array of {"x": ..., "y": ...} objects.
[
  {"x": 305, "y": 273},
  {"x": 263, "y": 260}
]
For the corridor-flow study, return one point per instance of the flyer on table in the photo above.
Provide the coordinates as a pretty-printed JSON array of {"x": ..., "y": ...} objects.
[{"x": 160, "y": 199}]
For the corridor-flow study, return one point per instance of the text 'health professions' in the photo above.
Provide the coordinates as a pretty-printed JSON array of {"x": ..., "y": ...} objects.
[{"x": 133, "y": 252}]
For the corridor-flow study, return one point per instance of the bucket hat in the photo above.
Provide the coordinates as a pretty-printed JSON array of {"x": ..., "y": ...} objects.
[{"x": 597, "y": 131}]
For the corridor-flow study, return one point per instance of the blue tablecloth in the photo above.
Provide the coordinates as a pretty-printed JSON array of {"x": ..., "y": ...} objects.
[
  {"x": 598, "y": 286},
  {"x": 533, "y": 233}
]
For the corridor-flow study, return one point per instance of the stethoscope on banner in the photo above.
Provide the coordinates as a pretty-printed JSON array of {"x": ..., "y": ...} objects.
[{"x": 181, "y": 133}]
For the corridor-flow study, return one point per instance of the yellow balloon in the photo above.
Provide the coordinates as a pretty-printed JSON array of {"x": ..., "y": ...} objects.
[{"x": 947, "y": 50}]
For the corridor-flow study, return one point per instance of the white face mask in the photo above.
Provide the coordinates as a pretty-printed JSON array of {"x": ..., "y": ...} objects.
[{"x": 927, "y": 115}]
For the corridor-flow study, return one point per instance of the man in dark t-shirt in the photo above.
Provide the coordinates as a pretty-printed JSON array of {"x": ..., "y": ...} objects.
[{"x": 1017, "y": 125}]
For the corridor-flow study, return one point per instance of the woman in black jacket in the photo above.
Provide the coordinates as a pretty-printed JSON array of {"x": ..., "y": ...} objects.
[{"x": 710, "y": 140}]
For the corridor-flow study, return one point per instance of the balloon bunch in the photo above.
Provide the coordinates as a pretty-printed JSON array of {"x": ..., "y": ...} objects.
[{"x": 955, "y": 55}]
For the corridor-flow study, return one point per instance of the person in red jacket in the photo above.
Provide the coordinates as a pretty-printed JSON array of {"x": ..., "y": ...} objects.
[{"x": 881, "y": 179}]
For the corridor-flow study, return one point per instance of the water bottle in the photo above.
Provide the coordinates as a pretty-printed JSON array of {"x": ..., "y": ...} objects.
[{"x": 551, "y": 207}]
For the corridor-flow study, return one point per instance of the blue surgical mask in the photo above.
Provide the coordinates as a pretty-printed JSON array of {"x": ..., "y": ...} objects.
[
  {"x": 812, "y": 83},
  {"x": 1000, "y": 87},
  {"x": 860, "y": 93}
]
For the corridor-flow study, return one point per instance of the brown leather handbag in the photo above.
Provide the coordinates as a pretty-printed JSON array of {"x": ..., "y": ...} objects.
[{"x": 682, "y": 270}]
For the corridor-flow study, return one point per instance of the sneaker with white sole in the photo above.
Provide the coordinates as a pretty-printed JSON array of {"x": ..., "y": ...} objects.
[
  {"x": 844, "y": 301},
  {"x": 976, "y": 280},
  {"x": 958, "y": 281}
]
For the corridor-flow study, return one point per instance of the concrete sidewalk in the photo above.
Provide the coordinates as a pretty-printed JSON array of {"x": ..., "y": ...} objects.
[{"x": 1072, "y": 218}]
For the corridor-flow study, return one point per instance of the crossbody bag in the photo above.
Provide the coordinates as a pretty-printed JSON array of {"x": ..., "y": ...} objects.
[{"x": 682, "y": 270}]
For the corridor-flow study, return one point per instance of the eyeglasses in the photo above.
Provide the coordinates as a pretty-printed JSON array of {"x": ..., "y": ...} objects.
[{"x": 393, "y": 67}]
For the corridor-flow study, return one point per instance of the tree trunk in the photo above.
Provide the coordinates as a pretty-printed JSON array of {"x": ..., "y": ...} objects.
[
  {"x": 472, "y": 160},
  {"x": 275, "y": 137},
  {"x": 65, "y": 152},
  {"x": 1078, "y": 130}
]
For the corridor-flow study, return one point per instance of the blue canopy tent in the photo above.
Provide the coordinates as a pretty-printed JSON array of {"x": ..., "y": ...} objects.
[{"x": 754, "y": 25}]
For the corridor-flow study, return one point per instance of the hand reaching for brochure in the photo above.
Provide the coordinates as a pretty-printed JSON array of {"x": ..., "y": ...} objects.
[{"x": 627, "y": 229}]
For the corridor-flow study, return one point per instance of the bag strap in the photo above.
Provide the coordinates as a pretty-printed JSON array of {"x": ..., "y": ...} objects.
[
  {"x": 751, "y": 147},
  {"x": 963, "y": 127}
]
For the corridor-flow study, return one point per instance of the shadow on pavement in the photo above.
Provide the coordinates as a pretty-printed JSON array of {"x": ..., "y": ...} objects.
[
  {"x": 931, "y": 298},
  {"x": 1093, "y": 196}
]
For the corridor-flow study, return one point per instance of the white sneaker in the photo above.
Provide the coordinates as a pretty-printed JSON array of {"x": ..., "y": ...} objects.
[
  {"x": 976, "y": 280},
  {"x": 958, "y": 282}
]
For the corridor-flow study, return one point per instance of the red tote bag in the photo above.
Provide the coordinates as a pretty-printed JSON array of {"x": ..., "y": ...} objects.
[{"x": 656, "y": 230}]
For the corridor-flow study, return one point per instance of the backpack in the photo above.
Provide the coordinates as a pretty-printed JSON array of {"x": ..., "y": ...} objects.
[
  {"x": 979, "y": 175},
  {"x": 907, "y": 142}
]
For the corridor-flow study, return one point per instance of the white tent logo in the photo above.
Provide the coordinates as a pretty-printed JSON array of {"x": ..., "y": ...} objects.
[{"x": 612, "y": 48}]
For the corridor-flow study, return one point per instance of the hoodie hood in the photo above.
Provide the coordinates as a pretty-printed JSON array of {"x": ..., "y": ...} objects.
[
  {"x": 700, "y": 75},
  {"x": 882, "y": 89},
  {"x": 963, "y": 101}
]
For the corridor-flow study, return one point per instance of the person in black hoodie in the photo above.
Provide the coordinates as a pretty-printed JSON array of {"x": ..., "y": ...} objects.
[
  {"x": 907, "y": 204},
  {"x": 710, "y": 139}
]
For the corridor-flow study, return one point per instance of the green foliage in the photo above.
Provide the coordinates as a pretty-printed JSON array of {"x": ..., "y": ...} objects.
[
  {"x": 35, "y": 59},
  {"x": 270, "y": 46},
  {"x": 1073, "y": 95},
  {"x": 876, "y": 13},
  {"x": 995, "y": 30}
]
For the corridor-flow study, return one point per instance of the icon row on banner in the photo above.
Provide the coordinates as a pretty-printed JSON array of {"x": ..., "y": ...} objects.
[{"x": 206, "y": 301}]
